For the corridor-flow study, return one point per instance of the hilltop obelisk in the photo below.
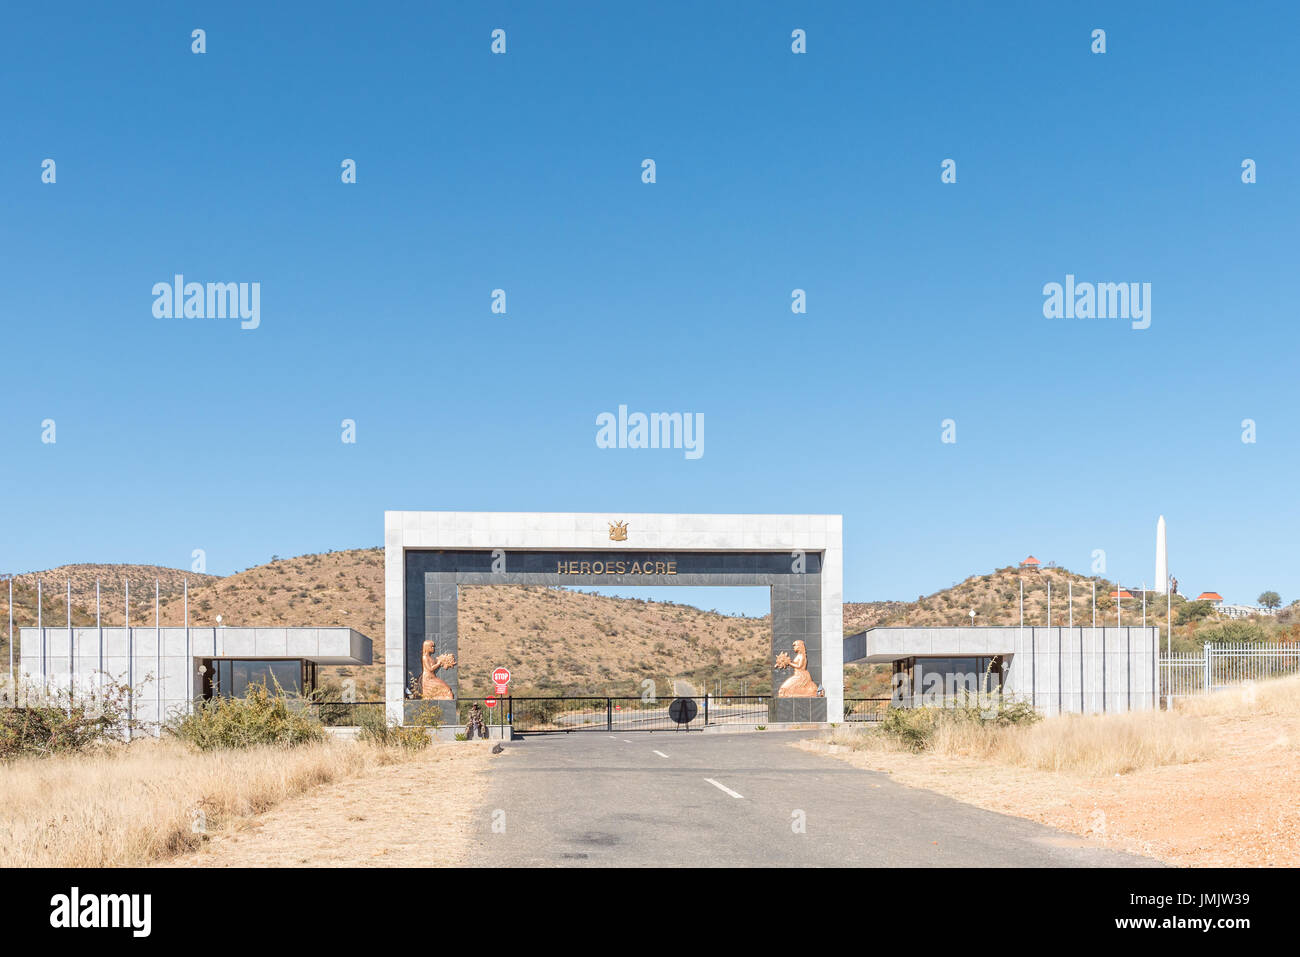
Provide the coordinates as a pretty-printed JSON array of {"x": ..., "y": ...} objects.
[{"x": 1162, "y": 559}]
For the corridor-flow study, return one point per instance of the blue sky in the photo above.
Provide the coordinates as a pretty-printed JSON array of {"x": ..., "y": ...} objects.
[{"x": 775, "y": 171}]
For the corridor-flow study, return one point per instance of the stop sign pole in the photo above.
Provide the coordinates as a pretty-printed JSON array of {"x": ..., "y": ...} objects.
[{"x": 501, "y": 681}]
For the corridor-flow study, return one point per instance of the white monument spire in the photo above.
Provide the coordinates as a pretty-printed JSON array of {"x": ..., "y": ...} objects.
[{"x": 1162, "y": 559}]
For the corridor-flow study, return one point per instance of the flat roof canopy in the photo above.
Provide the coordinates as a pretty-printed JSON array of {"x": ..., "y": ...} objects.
[
  {"x": 883, "y": 645},
  {"x": 325, "y": 646}
]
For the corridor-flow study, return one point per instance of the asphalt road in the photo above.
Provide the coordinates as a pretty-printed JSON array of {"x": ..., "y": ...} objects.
[{"x": 665, "y": 799}]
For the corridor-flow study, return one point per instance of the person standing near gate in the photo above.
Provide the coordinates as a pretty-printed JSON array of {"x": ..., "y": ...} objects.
[{"x": 475, "y": 723}]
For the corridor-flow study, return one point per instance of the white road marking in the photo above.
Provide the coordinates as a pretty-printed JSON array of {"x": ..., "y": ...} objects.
[
  {"x": 661, "y": 754},
  {"x": 723, "y": 787}
]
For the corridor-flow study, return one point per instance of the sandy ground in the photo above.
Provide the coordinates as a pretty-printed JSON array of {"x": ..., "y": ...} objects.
[
  {"x": 412, "y": 814},
  {"x": 1237, "y": 809}
]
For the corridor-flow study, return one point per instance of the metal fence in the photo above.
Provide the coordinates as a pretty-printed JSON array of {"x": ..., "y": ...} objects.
[
  {"x": 1182, "y": 673},
  {"x": 545, "y": 715},
  {"x": 865, "y": 709},
  {"x": 1219, "y": 666},
  {"x": 538, "y": 715},
  {"x": 560, "y": 714},
  {"x": 345, "y": 714}
]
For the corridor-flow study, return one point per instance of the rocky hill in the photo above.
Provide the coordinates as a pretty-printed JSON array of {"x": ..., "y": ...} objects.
[
  {"x": 995, "y": 599},
  {"x": 112, "y": 581}
]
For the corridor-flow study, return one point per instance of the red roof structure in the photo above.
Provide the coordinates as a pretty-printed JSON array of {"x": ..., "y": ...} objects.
[
  {"x": 1031, "y": 560},
  {"x": 1125, "y": 593},
  {"x": 1209, "y": 596}
]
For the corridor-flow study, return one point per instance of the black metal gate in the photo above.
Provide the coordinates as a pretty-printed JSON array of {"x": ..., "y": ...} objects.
[{"x": 616, "y": 715}]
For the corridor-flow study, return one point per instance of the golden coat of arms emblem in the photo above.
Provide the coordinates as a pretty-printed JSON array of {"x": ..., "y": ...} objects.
[{"x": 618, "y": 531}]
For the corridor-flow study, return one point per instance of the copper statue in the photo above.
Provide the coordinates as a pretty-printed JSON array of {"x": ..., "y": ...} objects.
[
  {"x": 432, "y": 687},
  {"x": 799, "y": 684}
]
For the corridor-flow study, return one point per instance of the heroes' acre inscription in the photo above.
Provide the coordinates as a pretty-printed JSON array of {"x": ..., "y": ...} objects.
[
  {"x": 429, "y": 555},
  {"x": 612, "y": 567}
]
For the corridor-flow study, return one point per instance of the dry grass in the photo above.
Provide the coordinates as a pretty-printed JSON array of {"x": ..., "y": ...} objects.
[
  {"x": 1081, "y": 744},
  {"x": 1109, "y": 744},
  {"x": 1207, "y": 785},
  {"x": 138, "y": 804},
  {"x": 1280, "y": 696},
  {"x": 366, "y": 821}
]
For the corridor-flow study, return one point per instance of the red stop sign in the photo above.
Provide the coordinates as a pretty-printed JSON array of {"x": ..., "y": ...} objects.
[
  {"x": 501, "y": 676},
  {"x": 491, "y": 702}
]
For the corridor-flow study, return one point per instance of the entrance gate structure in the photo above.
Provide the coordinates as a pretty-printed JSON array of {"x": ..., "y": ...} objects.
[{"x": 429, "y": 555}]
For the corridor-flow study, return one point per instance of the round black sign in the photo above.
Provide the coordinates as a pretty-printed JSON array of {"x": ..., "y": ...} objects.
[{"x": 683, "y": 710}]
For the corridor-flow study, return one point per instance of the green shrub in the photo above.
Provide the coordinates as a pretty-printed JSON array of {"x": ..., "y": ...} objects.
[
  {"x": 1234, "y": 632},
  {"x": 376, "y": 729},
  {"x": 915, "y": 728},
  {"x": 1194, "y": 611},
  {"x": 1016, "y": 712},
  {"x": 258, "y": 718}
]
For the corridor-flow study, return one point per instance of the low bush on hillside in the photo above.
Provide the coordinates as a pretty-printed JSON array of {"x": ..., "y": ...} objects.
[
  {"x": 261, "y": 717},
  {"x": 1234, "y": 632},
  {"x": 1194, "y": 611}
]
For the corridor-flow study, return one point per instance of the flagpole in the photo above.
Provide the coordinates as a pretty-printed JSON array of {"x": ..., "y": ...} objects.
[
  {"x": 1059, "y": 697},
  {"x": 1022, "y": 604},
  {"x": 157, "y": 647},
  {"x": 130, "y": 660},
  {"x": 40, "y": 627},
  {"x": 72, "y": 651},
  {"x": 189, "y": 661},
  {"x": 99, "y": 625}
]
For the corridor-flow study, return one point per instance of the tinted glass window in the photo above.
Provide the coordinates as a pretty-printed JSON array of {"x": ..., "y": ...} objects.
[
  {"x": 949, "y": 676},
  {"x": 234, "y": 676}
]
